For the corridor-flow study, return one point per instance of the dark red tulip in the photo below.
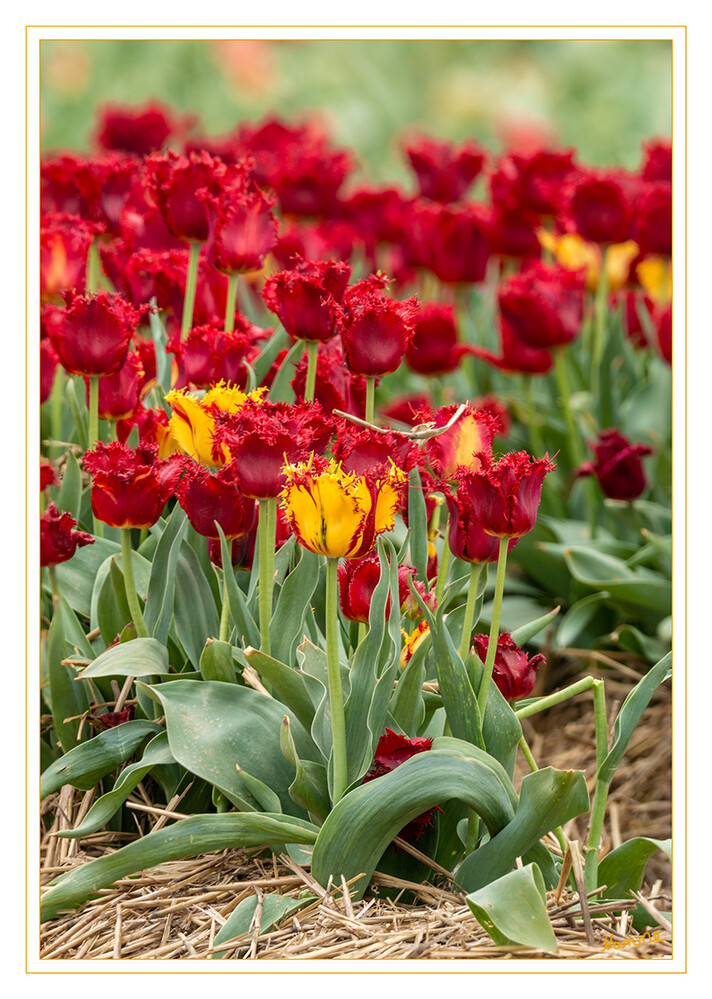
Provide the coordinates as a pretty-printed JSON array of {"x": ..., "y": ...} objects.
[
  {"x": 58, "y": 539},
  {"x": 514, "y": 672},
  {"x": 617, "y": 465}
]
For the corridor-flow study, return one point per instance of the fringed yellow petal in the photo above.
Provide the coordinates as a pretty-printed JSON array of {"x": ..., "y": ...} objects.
[{"x": 192, "y": 428}]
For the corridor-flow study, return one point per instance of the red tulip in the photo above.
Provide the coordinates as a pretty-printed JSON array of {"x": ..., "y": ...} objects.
[
  {"x": 513, "y": 672},
  {"x": 209, "y": 497},
  {"x": 543, "y": 306},
  {"x": 130, "y": 487},
  {"x": 444, "y": 171},
  {"x": 617, "y": 465},
  {"x": 505, "y": 494},
  {"x": 375, "y": 329},
  {"x": 306, "y": 297},
  {"x": 91, "y": 337},
  {"x": 58, "y": 539}
]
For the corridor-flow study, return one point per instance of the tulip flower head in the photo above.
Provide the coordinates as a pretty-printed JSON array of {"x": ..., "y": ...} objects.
[
  {"x": 617, "y": 465},
  {"x": 214, "y": 497},
  {"x": 444, "y": 171},
  {"x": 358, "y": 578},
  {"x": 375, "y": 328},
  {"x": 394, "y": 749},
  {"x": 92, "y": 335},
  {"x": 514, "y": 672},
  {"x": 340, "y": 514},
  {"x": 58, "y": 539},
  {"x": 505, "y": 493},
  {"x": 242, "y": 226},
  {"x": 543, "y": 306},
  {"x": 130, "y": 487},
  {"x": 192, "y": 422}
]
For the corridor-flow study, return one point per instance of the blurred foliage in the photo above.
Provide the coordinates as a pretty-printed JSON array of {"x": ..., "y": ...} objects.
[{"x": 603, "y": 97}]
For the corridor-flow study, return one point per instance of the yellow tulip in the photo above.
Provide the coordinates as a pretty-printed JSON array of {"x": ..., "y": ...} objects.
[
  {"x": 192, "y": 423},
  {"x": 336, "y": 513}
]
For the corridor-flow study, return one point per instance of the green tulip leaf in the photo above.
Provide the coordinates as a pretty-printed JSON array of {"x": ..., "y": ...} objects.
[
  {"x": 275, "y": 909},
  {"x": 418, "y": 524},
  {"x": 622, "y": 870},
  {"x": 69, "y": 497},
  {"x": 88, "y": 762},
  {"x": 139, "y": 657},
  {"x": 75, "y": 578},
  {"x": 216, "y": 662},
  {"x": 247, "y": 629},
  {"x": 214, "y": 728},
  {"x": 155, "y": 754},
  {"x": 186, "y": 838},
  {"x": 578, "y": 617},
  {"x": 547, "y": 799},
  {"x": 195, "y": 614},
  {"x": 363, "y": 823},
  {"x": 286, "y": 628},
  {"x": 525, "y": 632},
  {"x": 512, "y": 910},
  {"x": 284, "y": 681},
  {"x": 159, "y": 599},
  {"x": 68, "y": 700}
]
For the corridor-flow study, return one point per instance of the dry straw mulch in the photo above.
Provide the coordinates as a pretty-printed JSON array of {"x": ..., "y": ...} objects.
[{"x": 176, "y": 910}]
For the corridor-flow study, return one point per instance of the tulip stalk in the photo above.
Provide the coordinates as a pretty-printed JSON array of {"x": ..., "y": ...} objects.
[
  {"x": 130, "y": 585},
  {"x": 599, "y": 329},
  {"x": 494, "y": 626},
  {"x": 336, "y": 701},
  {"x": 224, "y": 632},
  {"x": 370, "y": 398},
  {"x": 231, "y": 301},
  {"x": 94, "y": 432},
  {"x": 267, "y": 534},
  {"x": 312, "y": 357},
  {"x": 191, "y": 282},
  {"x": 469, "y": 619}
]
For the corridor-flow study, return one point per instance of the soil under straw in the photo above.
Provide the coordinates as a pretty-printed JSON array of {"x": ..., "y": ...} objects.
[{"x": 176, "y": 910}]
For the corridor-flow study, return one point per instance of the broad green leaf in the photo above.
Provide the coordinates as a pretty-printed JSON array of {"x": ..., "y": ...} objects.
[
  {"x": 622, "y": 870},
  {"x": 286, "y": 628},
  {"x": 275, "y": 909},
  {"x": 630, "y": 714},
  {"x": 363, "y": 823},
  {"x": 216, "y": 661},
  {"x": 247, "y": 630},
  {"x": 159, "y": 599},
  {"x": 139, "y": 657},
  {"x": 281, "y": 389},
  {"x": 649, "y": 648},
  {"x": 577, "y": 618},
  {"x": 310, "y": 788},
  {"x": 185, "y": 838},
  {"x": 525, "y": 632},
  {"x": 155, "y": 754},
  {"x": 214, "y": 727},
  {"x": 418, "y": 525},
  {"x": 75, "y": 578},
  {"x": 70, "y": 492},
  {"x": 87, "y": 763},
  {"x": 501, "y": 729},
  {"x": 68, "y": 700},
  {"x": 109, "y": 607},
  {"x": 284, "y": 681},
  {"x": 595, "y": 568},
  {"x": 195, "y": 614},
  {"x": 373, "y": 670},
  {"x": 547, "y": 799},
  {"x": 513, "y": 910}
]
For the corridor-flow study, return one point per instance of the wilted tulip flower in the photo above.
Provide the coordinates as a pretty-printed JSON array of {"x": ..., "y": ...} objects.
[
  {"x": 58, "y": 539},
  {"x": 514, "y": 672},
  {"x": 617, "y": 465},
  {"x": 394, "y": 749}
]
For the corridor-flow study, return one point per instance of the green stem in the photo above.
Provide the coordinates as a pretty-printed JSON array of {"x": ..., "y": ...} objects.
[
  {"x": 494, "y": 627},
  {"x": 469, "y": 618},
  {"x": 93, "y": 410},
  {"x": 600, "y": 795},
  {"x": 442, "y": 569},
  {"x": 556, "y": 698},
  {"x": 267, "y": 531},
  {"x": 370, "y": 398},
  {"x": 130, "y": 585},
  {"x": 528, "y": 756},
  {"x": 56, "y": 403},
  {"x": 94, "y": 434},
  {"x": 91, "y": 284},
  {"x": 230, "y": 302},
  {"x": 191, "y": 281},
  {"x": 535, "y": 437},
  {"x": 362, "y": 631},
  {"x": 562, "y": 382},
  {"x": 224, "y": 613},
  {"x": 599, "y": 330},
  {"x": 312, "y": 357},
  {"x": 336, "y": 702}
]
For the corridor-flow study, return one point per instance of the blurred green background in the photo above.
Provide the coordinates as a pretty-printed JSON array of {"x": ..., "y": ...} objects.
[{"x": 603, "y": 97}]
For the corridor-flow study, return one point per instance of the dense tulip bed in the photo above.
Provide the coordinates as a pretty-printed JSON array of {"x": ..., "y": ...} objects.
[{"x": 289, "y": 422}]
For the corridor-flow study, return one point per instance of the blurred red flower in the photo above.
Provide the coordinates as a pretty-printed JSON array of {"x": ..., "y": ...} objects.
[
  {"x": 543, "y": 305},
  {"x": 305, "y": 297},
  {"x": 598, "y": 205},
  {"x": 617, "y": 465},
  {"x": 434, "y": 349},
  {"x": 444, "y": 171},
  {"x": 242, "y": 226},
  {"x": 453, "y": 242},
  {"x": 139, "y": 130}
]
